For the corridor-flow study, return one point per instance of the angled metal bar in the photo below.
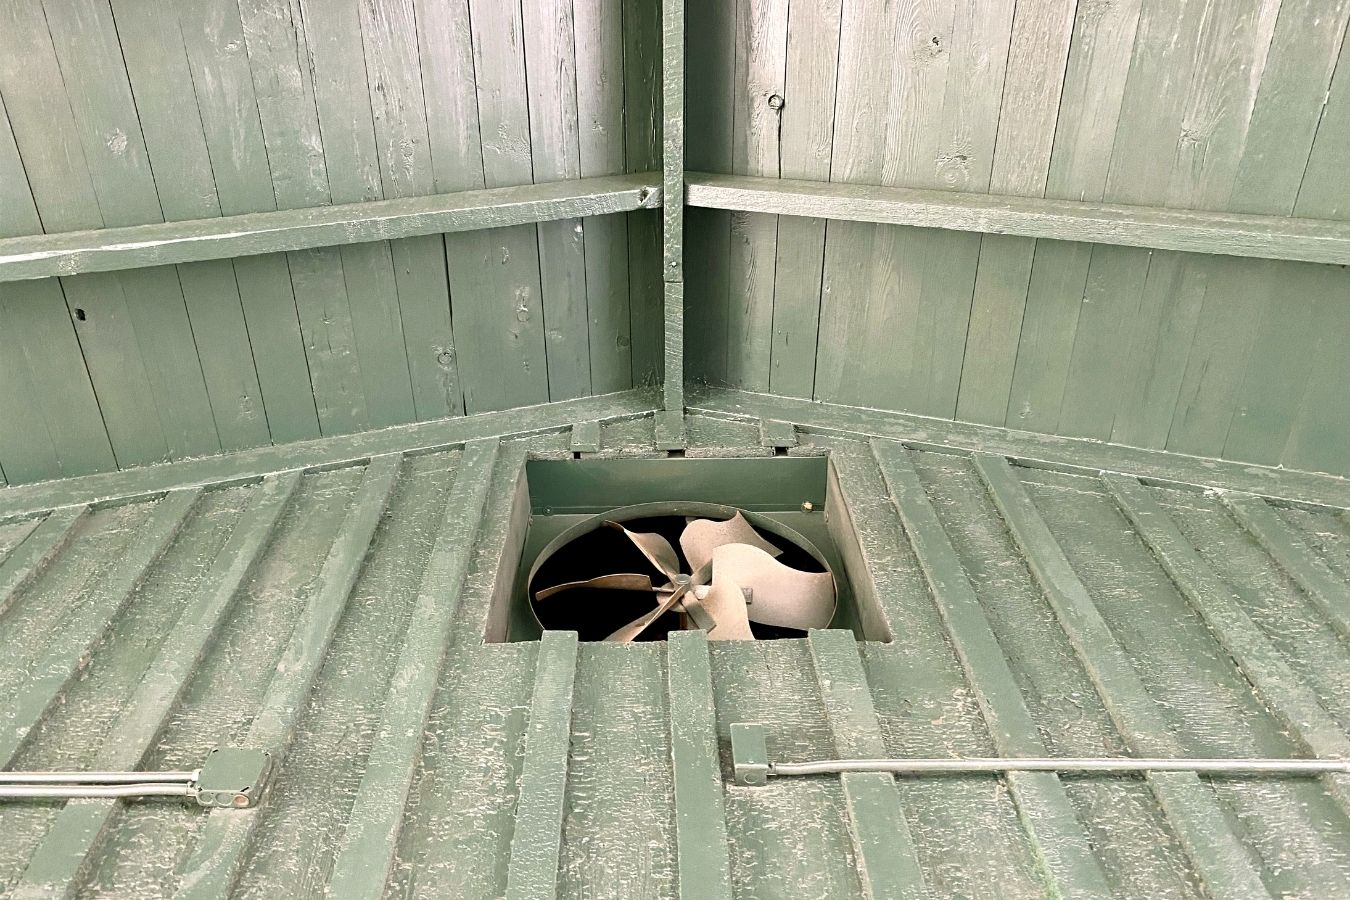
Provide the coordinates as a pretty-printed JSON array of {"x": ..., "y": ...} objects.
[
  {"x": 700, "y": 814},
  {"x": 111, "y": 249},
  {"x": 1057, "y": 837},
  {"x": 1229, "y": 234},
  {"x": 109, "y": 596},
  {"x": 1328, "y": 593},
  {"x": 888, "y": 864},
  {"x": 213, "y": 868},
  {"x": 1285, "y": 694},
  {"x": 56, "y": 867},
  {"x": 532, "y": 873},
  {"x": 1221, "y": 857},
  {"x": 376, "y": 818},
  {"x": 26, "y": 561}
]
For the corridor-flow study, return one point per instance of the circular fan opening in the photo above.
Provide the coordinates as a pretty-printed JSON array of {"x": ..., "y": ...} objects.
[{"x": 638, "y": 573}]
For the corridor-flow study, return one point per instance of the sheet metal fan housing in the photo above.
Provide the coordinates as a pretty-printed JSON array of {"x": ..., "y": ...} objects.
[{"x": 671, "y": 508}]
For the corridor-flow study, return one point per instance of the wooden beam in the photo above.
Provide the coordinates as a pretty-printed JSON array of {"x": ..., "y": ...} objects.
[
  {"x": 370, "y": 842},
  {"x": 1227, "y": 234},
  {"x": 1061, "y": 844},
  {"x": 322, "y": 453},
  {"x": 1224, "y": 862},
  {"x": 111, "y": 249},
  {"x": 700, "y": 814},
  {"x": 888, "y": 865},
  {"x": 670, "y": 432},
  {"x": 1029, "y": 449}
]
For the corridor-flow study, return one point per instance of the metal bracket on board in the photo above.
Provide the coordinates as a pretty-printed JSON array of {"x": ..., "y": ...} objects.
[
  {"x": 751, "y": 765},
  {"x": 230, "y": 778}
]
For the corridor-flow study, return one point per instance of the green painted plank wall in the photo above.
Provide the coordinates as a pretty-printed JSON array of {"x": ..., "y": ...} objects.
[
  {"x": 157, "y": 111},
  {"x": 1234, "y": 105}
]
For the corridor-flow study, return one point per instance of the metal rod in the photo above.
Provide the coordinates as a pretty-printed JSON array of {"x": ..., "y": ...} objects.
[
  {"x": 72, "y": 791},
  {"x": 1117, "y": 765},
  {"x": 92, "y": 778}
]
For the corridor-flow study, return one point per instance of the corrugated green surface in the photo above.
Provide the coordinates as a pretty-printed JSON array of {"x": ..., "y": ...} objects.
[{"x": 1027, "y": 612}]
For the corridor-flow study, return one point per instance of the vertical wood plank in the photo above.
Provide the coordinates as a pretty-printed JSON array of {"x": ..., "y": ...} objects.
[
  {"x": 806, "y": 138},
  {"x": 161, "y": 82},
  {"x": 278, "y": 51},
  {"x": 700, "y": 815},
  {"x": 360, "y": 334},
  {"x": 1039, "y": 43},
  {"x": 760, "y": 85},
  {"x": 51, "y": 139},
  {"x": 219, "y": 57},
  {"x": 887, "y": 864},
  {"x": 552, "y": 90},
  {"x": 93, "y": 69},
  {"x": 532, "y": 873},
  {"x": 642, "y": 137},
  {"x": 598, "y": 36},
  {"x": 505, "y": 363},
  {"x": 710, "y": 89}
]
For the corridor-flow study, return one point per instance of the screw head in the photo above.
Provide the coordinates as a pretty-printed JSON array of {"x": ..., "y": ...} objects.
[{"x": 808, "y": 506}]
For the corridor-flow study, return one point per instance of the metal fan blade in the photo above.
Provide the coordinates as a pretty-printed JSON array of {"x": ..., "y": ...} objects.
[
  {"x": 726, "y": 604},
  {"x": 779, "y": 595},
  {"x": 702, "y": 536},
  {"x": 657, "y": 550},
  {"x": 618, "y": 582},
  {"x": 637, "y": 626}
]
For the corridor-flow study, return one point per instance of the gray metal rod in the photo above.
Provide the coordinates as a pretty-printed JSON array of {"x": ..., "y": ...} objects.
[
  {"x": 73, "y": 791},
  {"x": 1118, "y": 765},
  {"x": 93, "y": 778}
]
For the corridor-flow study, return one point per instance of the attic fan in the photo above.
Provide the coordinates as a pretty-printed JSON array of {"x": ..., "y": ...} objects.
[{"x": 619, "y": 576}]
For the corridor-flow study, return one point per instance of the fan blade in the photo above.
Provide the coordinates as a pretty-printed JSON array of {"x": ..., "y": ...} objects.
[
  {"x": 780, "y": 595},
  {"x": 657, "y": 550},
  {"x": 702, "y": 536},
  {"x": 639, "y": 625},
  {"x": 620, "y": 582},
  {"x": 726, "y": 604}
]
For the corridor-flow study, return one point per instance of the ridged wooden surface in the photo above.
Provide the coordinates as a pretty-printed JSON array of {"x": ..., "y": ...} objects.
[
  {"x": 1027, "y": 612},
  {"x": 1234, "y": 106}
]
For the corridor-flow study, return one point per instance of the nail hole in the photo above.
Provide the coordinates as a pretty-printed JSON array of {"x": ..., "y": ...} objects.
[{"x": 79, "y": 314}]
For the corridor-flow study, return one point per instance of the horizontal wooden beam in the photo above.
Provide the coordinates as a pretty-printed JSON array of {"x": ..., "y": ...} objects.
[
  {"x": 1267, "y": 237},
  {"x": 111, "y": 249},
  {"x": 1027, "y": 448},
  {"x": 19, "y": 501}
]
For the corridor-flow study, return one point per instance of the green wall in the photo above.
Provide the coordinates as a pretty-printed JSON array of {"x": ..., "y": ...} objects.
[
  {"x": 1233, "y": 105},
  {"x": 142, "y": 111}
]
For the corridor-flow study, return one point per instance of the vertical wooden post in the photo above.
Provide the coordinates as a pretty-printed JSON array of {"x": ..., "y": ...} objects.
[{"x": 670, "y": 422}]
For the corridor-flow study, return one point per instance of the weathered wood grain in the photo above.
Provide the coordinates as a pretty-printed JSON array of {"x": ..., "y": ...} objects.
[{"x": 1267, "y": 237}]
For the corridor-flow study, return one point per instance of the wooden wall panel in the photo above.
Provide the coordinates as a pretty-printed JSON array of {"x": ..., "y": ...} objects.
[
  {"x": 1240, "y": 105},
  {"x": 158, "y": 111}
]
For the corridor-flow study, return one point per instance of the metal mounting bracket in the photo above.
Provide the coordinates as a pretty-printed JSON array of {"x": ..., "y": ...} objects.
[{"x": 231, "y": 777}]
